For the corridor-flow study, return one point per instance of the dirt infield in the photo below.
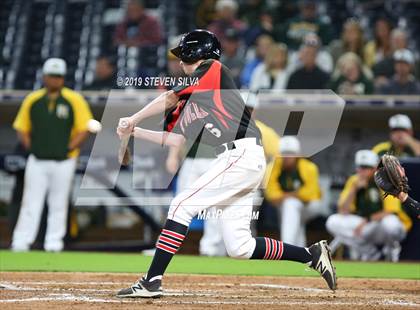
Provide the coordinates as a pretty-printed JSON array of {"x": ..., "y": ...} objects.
[{"x": 24, "y": 290}]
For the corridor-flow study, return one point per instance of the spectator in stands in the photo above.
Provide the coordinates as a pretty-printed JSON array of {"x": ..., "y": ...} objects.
[
  {"x": 323, "y": 58},
  {"x": 138, "y": 28},
  {"x": 384, "y": 69},
  {"x": 309, "y": 76},
  {"x": 365, "y": 219},
  {"x": 233, "y": 54},
  {"x": 105, "y": 75},
  {"x": 293, "y": 186},
  {"x": 52, "y": 125},
  {"x": 351, "y": 40},
  {"x": 401, "y": 139},
  {"x": 272, "y": 73},
  {"x": 307, "y": 21},
  {"x": 226, "y": 19},
  {"x": 251, "y": 11},
  {"x": 265, "y": 25},
  {"x": 285, "y": 10},
  {"x": 351, "y": 79},
  {"x": 263, "y": 44},
  {"x": 403, "y": 82},
  {"x": 205, "y": 13},
  {"x": 380, "y": 47}
]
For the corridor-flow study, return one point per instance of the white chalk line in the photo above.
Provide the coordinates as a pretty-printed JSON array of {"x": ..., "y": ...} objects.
[
  {"x": 285, "y": 287},
  {"x": 65, "y": 283},
  {"x": 292, "y": 303},
  {"x": 183, "y": 293},
  {"x": 172, "y": 292},
  {"x": 73, "y": 298},
  {"x": 167, "y": 292},
  {"x": 219, "y": 284},
  {"x": 61, "y": 297}
]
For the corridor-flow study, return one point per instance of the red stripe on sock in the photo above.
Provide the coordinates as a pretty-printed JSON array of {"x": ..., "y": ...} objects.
[
  {"x": 267, "y": 246},
  {"x": 280, "y": 250},
  {"x": 171, "y": 241},
  {"x": 271, "y": 248},
  {"x": 273, "y": 255},
  {"x": 165, "y": 248},
  {"x": 173, "y": 234}
]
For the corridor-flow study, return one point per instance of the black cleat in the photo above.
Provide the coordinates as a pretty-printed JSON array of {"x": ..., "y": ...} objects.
[
  {"x": 142, "y": 289},
  {"x": 322, "y": 262}
]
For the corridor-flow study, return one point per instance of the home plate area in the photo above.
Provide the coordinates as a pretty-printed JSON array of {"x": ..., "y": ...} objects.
[{"x": 24, "y": 290}]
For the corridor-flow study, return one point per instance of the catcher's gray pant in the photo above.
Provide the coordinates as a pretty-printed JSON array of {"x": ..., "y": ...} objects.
[
  {"x": 49, "y": 179},
  {"x": 384, "y": 232},
  {"x": 230, "y": 184}
]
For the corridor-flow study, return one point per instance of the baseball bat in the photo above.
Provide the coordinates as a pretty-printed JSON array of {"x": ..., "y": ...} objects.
[{"x": 124, "y": 156}]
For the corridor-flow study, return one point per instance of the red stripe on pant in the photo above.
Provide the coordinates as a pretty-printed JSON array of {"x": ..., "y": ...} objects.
[{"x": 199, "y": 189}]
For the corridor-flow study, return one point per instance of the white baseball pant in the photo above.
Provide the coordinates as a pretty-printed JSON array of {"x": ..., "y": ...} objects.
[
  {"x": 384, "y": 232},
  {"x": 211, "y": 243},
  {"x": 230, "y": 184},
  {"x": 293, "y": 215},
  {"x": 49, "y": 179}
]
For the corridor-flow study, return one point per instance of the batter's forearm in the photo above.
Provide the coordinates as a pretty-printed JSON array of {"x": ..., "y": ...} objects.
[
  {"x": 159, "y": 105},
  {"x": 174, "y": 152},
  {"x": 159, "y": 137},
  {"x": 77, "y": 140},
  {"x": 25, "y": 139}
]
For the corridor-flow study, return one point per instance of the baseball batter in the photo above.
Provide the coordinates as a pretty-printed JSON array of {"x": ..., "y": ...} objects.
[{"x": 213, "y": 112}]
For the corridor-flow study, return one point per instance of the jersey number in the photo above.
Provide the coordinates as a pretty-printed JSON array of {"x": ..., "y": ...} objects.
[{"x": 214, "y": 131}]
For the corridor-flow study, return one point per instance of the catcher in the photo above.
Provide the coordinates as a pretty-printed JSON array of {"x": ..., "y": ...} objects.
[{"x": 365, "y": 218}]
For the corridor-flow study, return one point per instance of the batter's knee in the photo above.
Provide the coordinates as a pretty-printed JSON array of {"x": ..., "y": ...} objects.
[
  {"x": 179, "y": 211},
  {"x": 241, "y": 250}
]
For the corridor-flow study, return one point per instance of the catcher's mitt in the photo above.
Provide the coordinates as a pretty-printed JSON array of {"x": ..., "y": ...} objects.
[{"x": 390, "y": 176}]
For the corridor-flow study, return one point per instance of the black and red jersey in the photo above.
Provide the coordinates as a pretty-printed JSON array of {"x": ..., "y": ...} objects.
[{"x": 211, "y": 108}]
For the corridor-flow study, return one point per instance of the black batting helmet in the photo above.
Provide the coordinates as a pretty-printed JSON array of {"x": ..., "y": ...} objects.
[{"x": 197, "y": 44}]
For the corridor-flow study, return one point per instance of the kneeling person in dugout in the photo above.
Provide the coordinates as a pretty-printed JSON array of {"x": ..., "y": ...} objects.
[{"x": 365, "y": 220}]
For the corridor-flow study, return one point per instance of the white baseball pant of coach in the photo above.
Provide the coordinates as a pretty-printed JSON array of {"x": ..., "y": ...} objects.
[
  {"x": 44, "y": 178},
  {"x": 211, "y": 243},
  {"x": 230, "y": 184},
  {"x": 293, "y": 216},
  {"x": 384, "y": 232}
]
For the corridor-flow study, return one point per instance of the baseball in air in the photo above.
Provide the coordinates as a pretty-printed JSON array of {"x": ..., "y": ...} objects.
[{"x": 94, "y": 126}]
